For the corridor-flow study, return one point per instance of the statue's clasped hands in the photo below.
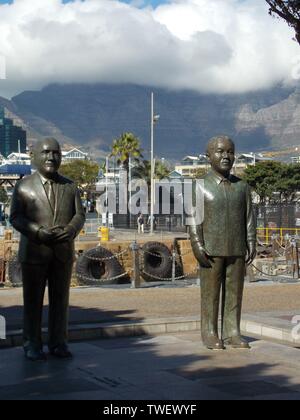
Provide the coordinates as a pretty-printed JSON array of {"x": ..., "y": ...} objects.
[{"x": 56, "y": 234}]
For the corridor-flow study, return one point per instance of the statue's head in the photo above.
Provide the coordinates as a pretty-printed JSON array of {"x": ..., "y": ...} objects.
[
  {"x": 221, "y": 154},
  {"x": 47, "y": 157}
]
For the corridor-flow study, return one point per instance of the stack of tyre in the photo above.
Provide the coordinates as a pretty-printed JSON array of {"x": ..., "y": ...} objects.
[
  {"x": 99, "y": 266},
  {"x": 157, "y": 262}
]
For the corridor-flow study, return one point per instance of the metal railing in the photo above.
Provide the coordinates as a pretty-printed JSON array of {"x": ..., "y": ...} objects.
[{"x": 266, "y": 235}]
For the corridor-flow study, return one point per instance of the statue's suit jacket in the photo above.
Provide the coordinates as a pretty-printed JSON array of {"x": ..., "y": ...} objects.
[
  {"x": 31, "y": 209},
  {"x": 229, "y": 220}
]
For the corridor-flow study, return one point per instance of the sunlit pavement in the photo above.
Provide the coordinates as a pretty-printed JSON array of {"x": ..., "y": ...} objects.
[{"x": 172, "y": 367}]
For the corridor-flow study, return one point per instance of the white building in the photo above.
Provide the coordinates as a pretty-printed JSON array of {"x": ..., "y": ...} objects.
[
  {"x": 190, "y": 164},
  {"x": 74, "y": 154},
  {"x": 16, "y": 158},
  {"x": 296, "y": 159}
]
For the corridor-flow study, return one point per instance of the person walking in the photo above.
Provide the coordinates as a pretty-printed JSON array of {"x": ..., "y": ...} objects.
[{"x": 141, "y": 223}]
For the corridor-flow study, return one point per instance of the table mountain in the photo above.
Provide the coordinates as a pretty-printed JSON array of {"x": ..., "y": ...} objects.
[{"x": 92, "y": 115}]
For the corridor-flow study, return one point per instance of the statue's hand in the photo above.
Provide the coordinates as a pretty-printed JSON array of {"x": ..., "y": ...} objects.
[
  {"x": 251, "y": 254},
  {"x": 201, "y": 255},
  {"x": 46, "y": 236},
  {"x": 66, "y": 233}
]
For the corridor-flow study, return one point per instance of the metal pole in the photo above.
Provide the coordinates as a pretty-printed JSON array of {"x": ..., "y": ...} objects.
[
  {"x": 19, "y": 150},
  {"x": 129, "y": 184},
  {"x": 173, "y": 265},
  {"x": 152, "y": 165},
  {"x": 136, "y": 279},
  {"x": 106, "y": 192}
]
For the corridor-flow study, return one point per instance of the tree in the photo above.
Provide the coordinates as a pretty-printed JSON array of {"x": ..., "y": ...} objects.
[
  {"x": 199, "y": 173},
  {"x": 143, "y": 170},
  {"x": 289, "y": 184},
  {"x": 83, "y": 172},
  {"x": 289, "y": 10},
  {"x": 274, "y": 182},
  {"x": 125, "y": 147}
]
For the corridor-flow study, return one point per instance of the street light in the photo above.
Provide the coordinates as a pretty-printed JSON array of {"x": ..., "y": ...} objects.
[{"x": 154, "y": 120}]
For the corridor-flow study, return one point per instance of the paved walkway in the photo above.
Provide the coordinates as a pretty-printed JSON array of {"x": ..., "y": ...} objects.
[
  {"x": 160, "y": 366},
  {"x": 167, "y": 367},
  {"x": 125, "y": 304}
]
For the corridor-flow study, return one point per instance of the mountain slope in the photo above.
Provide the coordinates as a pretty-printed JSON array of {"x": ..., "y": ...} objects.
[{"x": 92, "y": 115}]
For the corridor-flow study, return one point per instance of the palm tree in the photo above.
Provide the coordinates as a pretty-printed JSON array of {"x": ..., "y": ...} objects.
[
  {"x": 143, "y": 171},
  {"x": 125, "y": 147}
]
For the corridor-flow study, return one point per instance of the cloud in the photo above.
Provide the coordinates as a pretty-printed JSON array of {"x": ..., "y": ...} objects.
[{"x": 206, "y": 45}]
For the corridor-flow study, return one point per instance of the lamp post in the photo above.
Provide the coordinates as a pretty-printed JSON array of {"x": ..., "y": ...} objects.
[
  {"x": 106, "y": 183},
  {"x": 154, "y": 119}
]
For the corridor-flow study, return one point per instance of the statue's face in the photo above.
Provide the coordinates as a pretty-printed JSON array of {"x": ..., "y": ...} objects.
[
  {"x": 47, "y": 157},
  {"x": 221, "y": 156}
]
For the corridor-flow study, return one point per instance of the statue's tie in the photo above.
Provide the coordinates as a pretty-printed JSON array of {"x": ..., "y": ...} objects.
[{"x": 50, "y": 193}]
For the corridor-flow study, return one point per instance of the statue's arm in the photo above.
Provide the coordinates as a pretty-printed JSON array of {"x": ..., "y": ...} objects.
[
  {"x": 197, "y": 242},
  {"x": 18, "y": 217},
  {"x": 251, "y": 228},
  {"x": 78, "y": 219}
]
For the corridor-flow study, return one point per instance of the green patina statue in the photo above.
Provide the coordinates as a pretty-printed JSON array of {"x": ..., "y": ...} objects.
[
  {"x": 46, "y": 208},
  {"x": 223, "y": 244}
]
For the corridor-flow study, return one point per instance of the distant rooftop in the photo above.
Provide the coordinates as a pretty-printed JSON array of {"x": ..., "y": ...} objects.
[{"x": 15, "y": 169}]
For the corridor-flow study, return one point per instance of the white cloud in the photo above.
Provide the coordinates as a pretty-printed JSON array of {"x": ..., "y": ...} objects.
[{"x": 206, "y": 45}]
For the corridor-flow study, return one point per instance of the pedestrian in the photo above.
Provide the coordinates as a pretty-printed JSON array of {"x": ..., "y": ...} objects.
[{"x": 141, "y": 223}]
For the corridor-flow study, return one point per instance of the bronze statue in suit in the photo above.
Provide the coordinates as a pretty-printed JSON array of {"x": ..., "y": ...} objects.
[
  {"x": 223, "y": 244},
  {"x": 46, "y": 209}
]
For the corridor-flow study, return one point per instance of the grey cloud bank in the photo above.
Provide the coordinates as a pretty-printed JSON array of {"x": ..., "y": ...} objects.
[{"x": 211, "y": 46}]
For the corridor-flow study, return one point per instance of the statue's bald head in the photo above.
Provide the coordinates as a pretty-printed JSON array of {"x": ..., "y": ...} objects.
[
  {"x": 47, "y": 156},
  {"x": 46, "y": 142}
]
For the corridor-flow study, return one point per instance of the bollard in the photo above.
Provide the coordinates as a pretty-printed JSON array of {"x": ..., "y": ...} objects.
[
  {"x": 8, "y": 235},
  {"x": 104, "y": 234},
  {"x": 173, "y": 265},
  {"x": 136, "y": 277},
  {"x": 296, "y": 271}
]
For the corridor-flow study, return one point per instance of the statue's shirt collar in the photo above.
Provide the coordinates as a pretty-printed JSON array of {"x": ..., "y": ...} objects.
[
  {"x": 219, "y": 178},
  {"x": 45, "y": 180}
]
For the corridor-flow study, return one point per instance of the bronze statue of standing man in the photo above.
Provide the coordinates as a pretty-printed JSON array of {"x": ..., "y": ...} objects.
[
  {"x": 223, "y": 244},
  {"x": 46, "y": 209}
]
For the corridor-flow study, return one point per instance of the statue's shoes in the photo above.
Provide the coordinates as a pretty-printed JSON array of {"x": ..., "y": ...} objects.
[
  {"x": 35, "y": 355},
  {"x": 61, "y": 352},
  {"x": 213, "y": 343},
  {"x": 237, "y": 343}
]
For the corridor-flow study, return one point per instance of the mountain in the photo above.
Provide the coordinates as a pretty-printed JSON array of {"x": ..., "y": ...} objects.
[{"x": 93, "y": 115}]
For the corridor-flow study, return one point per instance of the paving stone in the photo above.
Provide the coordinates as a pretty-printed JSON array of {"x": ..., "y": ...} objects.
[{"x": 171, "y": 366}]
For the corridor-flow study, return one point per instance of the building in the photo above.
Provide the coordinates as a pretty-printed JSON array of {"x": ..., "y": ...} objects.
[
  {"x": 190, "y": 164},
  {"x": 18, "y": 159},
  {"x": 296, "y": 159},
  {"x": 12, "y": 137},
  {"x": 244, "y": 160},
  {"x": 74, "y": 154}
]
